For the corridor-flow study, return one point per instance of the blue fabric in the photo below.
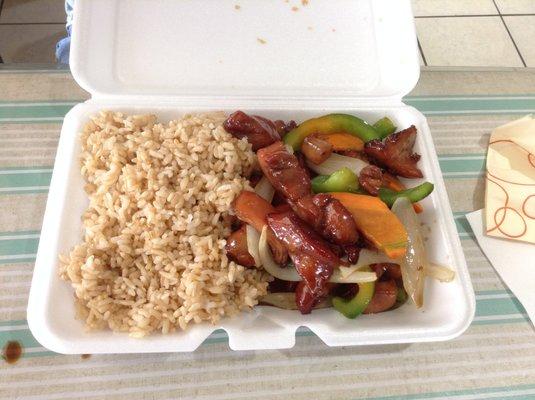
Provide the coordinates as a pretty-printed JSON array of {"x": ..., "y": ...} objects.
[{"x": 64, "y": 45}]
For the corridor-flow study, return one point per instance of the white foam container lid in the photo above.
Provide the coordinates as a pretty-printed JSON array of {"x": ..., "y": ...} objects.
[{"x": 171, "y": 57}]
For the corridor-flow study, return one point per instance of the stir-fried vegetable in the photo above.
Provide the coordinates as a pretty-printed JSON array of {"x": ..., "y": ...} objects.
[
  {"x": 352, "y": 274},
  {"x": 341, "y": 141},
  {"x": 264, "y": 189},
  {"x": 368, "y": 257},
  {"x": 401, "y": 296},
  {"x": 443, "y": 274},
  {"x": 343, "y": 180},
  {"x": 336, "y": 162},
  {"x": 414, "y": 265},
  {"x": 253, "y": 239},
  {"x": 393, "y": 183},
  {"x": 414, "y": 194},
  {"x": 356, "y": 306},
  {"x": 286, "y": 301},
  {"x": 285, "y": 274},
  {"x": 376, "y": 222},
  {"x": 331, "y": 123},
  {"x": 385, "y": 127},
  {"x": 253, "y": 210}
]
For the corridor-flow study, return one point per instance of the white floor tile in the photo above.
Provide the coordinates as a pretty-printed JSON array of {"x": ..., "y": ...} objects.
[
  {"x": 422, "y": 62},
  {"x": 516, "y": 6},
  {"x": 453, "y": 7},
  {"x": 30, "y": 43},
  {"x": 33, "y": 11},
  {"x": 523, "y": 31},
  {"x": 466, "y": 41}
]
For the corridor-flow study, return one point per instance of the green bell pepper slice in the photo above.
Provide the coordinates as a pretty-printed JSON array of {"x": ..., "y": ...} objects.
[
  {"x": 343, "y": 180},
  {"x": 385, "y": 127},
  {"x": 331, "y": 123},
  {"x": 356, "y": 306},
  {"x": 414, "y": 194},
  {"x": 401, "y": 296}
]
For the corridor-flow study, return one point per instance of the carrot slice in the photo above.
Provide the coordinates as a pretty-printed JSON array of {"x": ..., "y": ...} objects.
[
  {"x": 376, "y": 222},
  {"x": 343, "y": 141},
  {"x": 393, "y": 183}
]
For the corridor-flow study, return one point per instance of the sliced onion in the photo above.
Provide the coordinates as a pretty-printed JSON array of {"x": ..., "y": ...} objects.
[
  {"x": 264, "y": 189},
  {"x": 253, "y": 239},
  {"x": 289, "y": 148},
  {"x": 443, "y": 274},
  {"x": 353, "y": 277},
  {"x": 336, "y": 162},
  {"x": 367, "y": 257},
  {"x": 347, "y": 271},
  {"x": 415, "y": 262},
  {"x": 285, "y": 274},
  {"x": 286, "y": 301},
  {"x": 351, "y": 274}
]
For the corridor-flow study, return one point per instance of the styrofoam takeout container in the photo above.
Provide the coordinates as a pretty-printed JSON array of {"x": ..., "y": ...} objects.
[{"x": 171, "y": 57}]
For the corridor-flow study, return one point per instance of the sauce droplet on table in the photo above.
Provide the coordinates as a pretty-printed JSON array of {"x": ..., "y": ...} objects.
[{"x": 12, "y": 351}]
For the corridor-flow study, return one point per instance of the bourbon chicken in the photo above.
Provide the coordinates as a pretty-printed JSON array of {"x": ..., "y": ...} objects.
[{"x": 341, "y": 218}]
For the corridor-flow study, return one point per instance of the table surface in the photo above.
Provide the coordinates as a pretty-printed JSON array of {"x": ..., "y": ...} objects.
[{"x": 494, "y": 358}]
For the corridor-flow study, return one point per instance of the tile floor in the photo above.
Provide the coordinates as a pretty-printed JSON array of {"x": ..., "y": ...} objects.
[{"x": 476, "y": 33}]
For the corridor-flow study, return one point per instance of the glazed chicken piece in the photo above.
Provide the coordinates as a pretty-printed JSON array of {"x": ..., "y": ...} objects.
[
  {"x": 259, "y": 131},
  {"x": 387, "y": 270},
  {"x": 284, "y": 127},
  {"x": 324, "y": 213},
  {"x": 371, "y": 179},
  {"x": 304, "y": 299},
  {"x": 396, "y": 154},
  {"x": 316, "y": 150},
  {"x": 284, "y": 171},
  {"x": 328, "y": 217},
  {"x": 384, "y": 297},
  {"x": 236, "y": 248},
  {"x": 311, "y": 255}
]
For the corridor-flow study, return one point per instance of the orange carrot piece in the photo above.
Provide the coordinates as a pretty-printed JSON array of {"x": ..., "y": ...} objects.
[
  {"x": 343, "y": 141},
  {"x": 376, "y": 222}
]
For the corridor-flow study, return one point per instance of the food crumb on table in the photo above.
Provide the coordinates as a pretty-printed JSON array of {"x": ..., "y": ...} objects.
[
  {"x": 237, "y": 7},
  {"x": 295, "y": 8},
  {"x": 261, "y": 41}
]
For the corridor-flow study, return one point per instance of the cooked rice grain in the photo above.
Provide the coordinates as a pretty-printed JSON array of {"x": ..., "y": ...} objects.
[{"x": 153, "y": 256}]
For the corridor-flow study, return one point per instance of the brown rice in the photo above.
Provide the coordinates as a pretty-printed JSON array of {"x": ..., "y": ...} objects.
[{"x": 152, "y": 256}]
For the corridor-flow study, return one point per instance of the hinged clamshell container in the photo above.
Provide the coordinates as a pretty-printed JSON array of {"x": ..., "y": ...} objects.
[{"x": 283, "y": 60}]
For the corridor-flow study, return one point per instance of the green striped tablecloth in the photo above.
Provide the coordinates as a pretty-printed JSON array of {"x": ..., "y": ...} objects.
[{"x": 495, "y": 358}]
